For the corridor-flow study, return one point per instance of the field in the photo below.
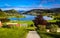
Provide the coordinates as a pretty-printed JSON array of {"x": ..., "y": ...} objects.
[
  {"x": 16, "y": 32},
  {"x": 21, "y": 32},
  {"x": 13, "y": 32},
  {"x": 28, "y": 22}
]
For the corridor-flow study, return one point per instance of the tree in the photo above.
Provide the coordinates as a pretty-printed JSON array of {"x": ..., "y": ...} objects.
[
  {"x": 3, "y": 16},
  {"x": 39, "y": 21},
  {"x": 0, "y": 10},
  {"x": 4, "y": 20}
]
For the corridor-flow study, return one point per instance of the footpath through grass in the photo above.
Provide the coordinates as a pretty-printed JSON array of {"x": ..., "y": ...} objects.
[{"x": 13, "y": 32}]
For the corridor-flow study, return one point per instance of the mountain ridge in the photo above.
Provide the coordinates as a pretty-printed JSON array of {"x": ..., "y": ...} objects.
[{"x": 39, "y": 11}]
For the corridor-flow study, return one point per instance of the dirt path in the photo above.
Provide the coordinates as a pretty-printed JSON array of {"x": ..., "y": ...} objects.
[{"x": 33, "y": 34}]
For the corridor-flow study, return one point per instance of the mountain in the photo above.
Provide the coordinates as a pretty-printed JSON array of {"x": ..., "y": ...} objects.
[
  {"x": 39, "y": 11},
  {"x": 2, "y": 13},
  {"x": 0, "y": 10},
  {"x": 55, "y": 10},
  {"x": 12, "y": 11},
  {"x": 21, "y": 11}
]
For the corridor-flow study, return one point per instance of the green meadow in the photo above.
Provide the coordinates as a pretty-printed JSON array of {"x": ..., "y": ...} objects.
[{"x": 15, "y": 32}]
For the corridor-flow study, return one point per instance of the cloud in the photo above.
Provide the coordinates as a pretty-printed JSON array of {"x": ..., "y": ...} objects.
[
  {"x": 20, "y": 8},
  {"x": 48, "y": 1},
  {"x": 42, "y": 7},
  {"x": 8, "y": 7},
  {"x": 56, "y": 5},
  {"x": 7, "y": 4},
  {"x": 16, "y": 8}
]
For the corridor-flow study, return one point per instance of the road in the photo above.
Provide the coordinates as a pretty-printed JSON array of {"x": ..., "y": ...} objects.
[{"x": 33, "y": 34}]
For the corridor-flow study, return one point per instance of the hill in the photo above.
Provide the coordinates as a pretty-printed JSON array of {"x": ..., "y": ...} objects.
[
  {"x": 21, "y": 11},
  {"x": 41, "y": 11},
  {"x": 56, "y": 10},
  {"x": 2, "y": 13},
  {"x": 37, "y": 11},
  {"x": 12, "y": 11}
]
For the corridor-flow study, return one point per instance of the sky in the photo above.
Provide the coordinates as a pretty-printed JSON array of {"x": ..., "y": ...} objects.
[{"x": 28, "y": 4}]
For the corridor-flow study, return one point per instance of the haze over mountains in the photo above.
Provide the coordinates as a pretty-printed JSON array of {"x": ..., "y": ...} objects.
[
  {"x": 33, "y": 11},
  {"x": 38, "y": 11}
]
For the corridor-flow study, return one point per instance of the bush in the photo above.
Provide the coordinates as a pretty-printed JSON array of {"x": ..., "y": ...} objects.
[
  {"x": 53, "y": 28},
  {"x": 48, "y": 35},
  {"x": 42, "y": 28},
  {"x": 43, "y": 34},
  {"x": 31, "y": 28},
  {"x": 52, "y": 34}
]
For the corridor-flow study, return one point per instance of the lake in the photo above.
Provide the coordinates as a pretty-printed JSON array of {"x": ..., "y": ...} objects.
[
  {"x": 27, "y": 17},
  {"x": 31, "y": 17}
]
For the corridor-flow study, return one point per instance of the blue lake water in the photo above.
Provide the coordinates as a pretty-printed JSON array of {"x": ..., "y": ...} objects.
[
  {"x": 47, "y": 18},
  {"x": 31, "y": 17},
  {"x": 27, "y": 17}
]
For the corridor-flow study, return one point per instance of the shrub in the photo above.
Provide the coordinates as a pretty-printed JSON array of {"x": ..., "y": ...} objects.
[
  {"x": 42, "y": 27},
  {"x": 53, "y": 28}
]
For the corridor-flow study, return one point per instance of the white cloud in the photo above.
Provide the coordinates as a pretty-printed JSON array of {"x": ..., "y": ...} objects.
[
  {"x": 20, "y": 8},
  {"x": 17, "y": 8},
  {"x": 41, "y": 6},
  {"x": 56, "y": 5}
]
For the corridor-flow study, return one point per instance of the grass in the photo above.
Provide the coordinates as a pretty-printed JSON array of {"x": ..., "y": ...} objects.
[
  {"x": 48, "y": 35},
  {"x": 43, "y": 34},
  {"x": 31, "y": 28},
  {"x": 28, "y": 22},
  {"x": 13, "y": 32},
  {"x": 20, "y": 32},
  {"x": 55, "y": 35},
  {"x": 51, "y": 20}
]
